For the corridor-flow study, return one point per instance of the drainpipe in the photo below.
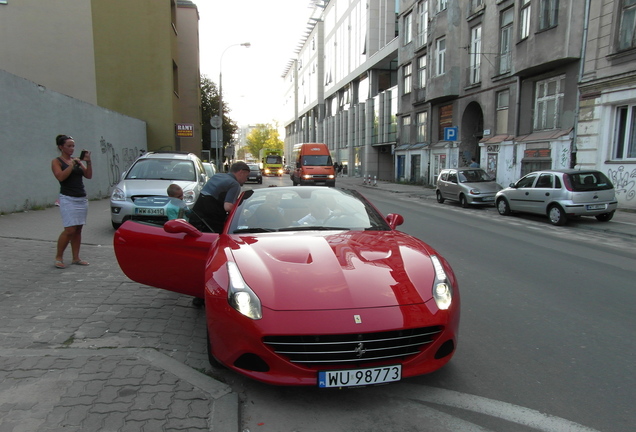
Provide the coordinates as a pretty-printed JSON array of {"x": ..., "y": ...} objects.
[{"x": 573, "y": 147}]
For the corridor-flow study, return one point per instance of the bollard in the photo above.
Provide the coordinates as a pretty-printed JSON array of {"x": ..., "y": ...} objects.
[{"x": 375, "y": 180}]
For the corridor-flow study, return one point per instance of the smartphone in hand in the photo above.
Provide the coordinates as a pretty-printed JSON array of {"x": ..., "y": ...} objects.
[{"x": 83, "y": 154}]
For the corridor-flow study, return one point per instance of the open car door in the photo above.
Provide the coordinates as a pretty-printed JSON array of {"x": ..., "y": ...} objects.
[{"x": 171, "y": 257}]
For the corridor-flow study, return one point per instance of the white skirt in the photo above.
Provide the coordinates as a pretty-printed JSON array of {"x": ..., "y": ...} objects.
[{"x": 73, "y": 210}]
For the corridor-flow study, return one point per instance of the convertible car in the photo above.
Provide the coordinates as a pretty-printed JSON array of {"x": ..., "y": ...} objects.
[{"x": 306, "y": 286}]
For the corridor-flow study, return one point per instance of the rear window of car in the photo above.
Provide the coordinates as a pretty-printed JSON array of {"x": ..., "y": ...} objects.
[{"x": 589, "y": 181}]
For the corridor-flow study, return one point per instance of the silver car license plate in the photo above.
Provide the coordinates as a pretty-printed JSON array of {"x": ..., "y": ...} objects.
[
  {"x": 359, "y": 377},
  {"x": 149, "y": 211},
  {"x": 596, "y": 206}
]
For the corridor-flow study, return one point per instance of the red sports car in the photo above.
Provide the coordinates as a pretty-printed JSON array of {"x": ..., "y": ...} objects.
[{"x": 306, "y": 286}]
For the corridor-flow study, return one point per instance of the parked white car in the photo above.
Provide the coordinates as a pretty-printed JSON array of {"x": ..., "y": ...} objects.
[
  {"x": 142, "y": 192},
  {"x": 468, "y": 186},
  {"x": 560, "y": 194}
]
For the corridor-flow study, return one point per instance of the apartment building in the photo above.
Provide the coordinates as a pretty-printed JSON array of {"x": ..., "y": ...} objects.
[
  {"x": 341, "y": 88},
  {"x": 606, "y": 132},
  {"x": 138, "y": 58},
  {"x": 520, "y": 85}
]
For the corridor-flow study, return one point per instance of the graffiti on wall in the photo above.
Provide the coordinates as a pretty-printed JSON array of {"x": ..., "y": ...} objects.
[
  {"x": 117, "y": 163},
  {"x": 624, "y": 182}
]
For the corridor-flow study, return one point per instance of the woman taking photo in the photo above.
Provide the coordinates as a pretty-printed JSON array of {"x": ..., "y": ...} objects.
[{"x": 70, "y": 171}]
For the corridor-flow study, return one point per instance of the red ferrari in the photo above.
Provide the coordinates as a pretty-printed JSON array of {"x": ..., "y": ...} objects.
[{"x": 306, "y": 286}]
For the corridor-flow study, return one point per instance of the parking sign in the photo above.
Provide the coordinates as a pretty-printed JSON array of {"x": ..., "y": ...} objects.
[{"x": 450, "y": 133}]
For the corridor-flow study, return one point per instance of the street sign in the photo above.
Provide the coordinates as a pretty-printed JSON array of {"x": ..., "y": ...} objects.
[
  {"x": 216, "y": 122},
  {"x": 450, "y": 133}
]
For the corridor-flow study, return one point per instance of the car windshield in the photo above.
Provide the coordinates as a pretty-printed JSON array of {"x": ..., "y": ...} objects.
[
  {"x": 304, "y": 209},
  {"x": 162, "y": 169},
  {"x": 254, "y": 167},
  {"x": 317, "y": 160},
  {"x": 474, "y": 176}
]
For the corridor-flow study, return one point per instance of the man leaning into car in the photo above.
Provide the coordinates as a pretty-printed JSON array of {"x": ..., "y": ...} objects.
[{"x": 217, "y": 198}]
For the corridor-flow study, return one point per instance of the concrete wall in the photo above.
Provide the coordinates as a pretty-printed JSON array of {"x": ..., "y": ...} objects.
[{"x": 32, "y": 117}]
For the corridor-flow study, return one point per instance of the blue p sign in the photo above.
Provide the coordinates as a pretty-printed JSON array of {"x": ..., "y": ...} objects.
[{"x": 450, "y": 133}]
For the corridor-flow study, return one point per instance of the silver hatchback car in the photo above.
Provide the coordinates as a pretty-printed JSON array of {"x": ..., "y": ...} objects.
[
  {"x": 560, "y": 194},
  {"x": 468, "y": 186},
  {"x": 142, "y": 192}
]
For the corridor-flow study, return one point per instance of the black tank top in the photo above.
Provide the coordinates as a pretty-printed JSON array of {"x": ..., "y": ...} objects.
[{"x": 73, "y": 185}]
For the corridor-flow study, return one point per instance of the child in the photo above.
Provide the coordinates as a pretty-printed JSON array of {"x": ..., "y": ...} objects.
[{"x": 176, "y": 208}]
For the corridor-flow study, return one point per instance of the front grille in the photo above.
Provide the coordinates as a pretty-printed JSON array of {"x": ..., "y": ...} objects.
[{"x": 352, "y": 348}]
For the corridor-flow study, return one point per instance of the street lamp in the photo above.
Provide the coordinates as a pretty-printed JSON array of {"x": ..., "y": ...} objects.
[{"x": 220, "y": 136}]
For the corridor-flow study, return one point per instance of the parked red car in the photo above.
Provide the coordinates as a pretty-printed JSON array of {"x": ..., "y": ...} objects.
[{"x": 306, "y": 286}]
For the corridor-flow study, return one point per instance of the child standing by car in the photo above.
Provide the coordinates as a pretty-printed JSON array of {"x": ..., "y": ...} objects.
[{"x": 176, "y": 208}]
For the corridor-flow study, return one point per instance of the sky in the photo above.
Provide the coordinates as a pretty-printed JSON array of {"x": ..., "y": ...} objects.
[{"x": 251, "y": 77}]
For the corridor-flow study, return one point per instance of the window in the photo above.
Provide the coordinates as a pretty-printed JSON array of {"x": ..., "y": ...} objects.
[
  {"x": 440, "y": 54},
  {"x": 505, "y": 42},
  {"x": 441, "y": 5},
  {"x": 408, "y": 28},
  {"x": 548, "y": 14},
  {"x": 524, "y": 31},
  {"x": 421, "y": 71},
  {"x": 407, "y": 70},
  {"x": 503, "y": 101},
  {"x": 549, "y": 98},
  {"x": 627, "y": 30},
  {"x": 175, "y": 78},
  {"x": 625, "y": 133},
  {"x": 422, "y": 127},
  {"x": 476, "y": 6},
  {"x": 475, "y": 55},
  {"x": 406, "y": 130},
  {"x": 422, "y": 22}
]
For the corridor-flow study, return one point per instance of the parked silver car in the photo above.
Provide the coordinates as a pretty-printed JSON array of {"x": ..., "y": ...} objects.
[
  {"x": 468, "y": 186},
  {"x": 560, "y": 194},
  {"x": 139, "y": 193}
]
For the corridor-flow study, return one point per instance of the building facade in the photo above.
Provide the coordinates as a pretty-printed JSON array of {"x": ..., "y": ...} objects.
[
  {"x": 606, "y": 133},
  {"x": 519, "y": 85},
  {"x": 136, "y": 58}
]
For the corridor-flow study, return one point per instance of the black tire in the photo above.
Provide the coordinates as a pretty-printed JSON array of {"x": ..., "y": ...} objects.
[
  {"x": 503, "y": 207},
  {"x": 463, "y": 201},
  {"x": 440, "y": 198},
  {"x": 557, "y": 215},
  {"x": 115, "y": 225},
  {"x": 605, "y": 217},
  {"x": 198, "y": 302}
]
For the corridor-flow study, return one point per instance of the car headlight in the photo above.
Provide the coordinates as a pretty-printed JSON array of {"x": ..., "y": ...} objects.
[
  {"x": 442, "y": 291},
  {"x": 474, "y": 192},
  {"x": 118, "y": 195},
  {"x": 240, "y": 296},
  {"x": 188, "y": 196}
]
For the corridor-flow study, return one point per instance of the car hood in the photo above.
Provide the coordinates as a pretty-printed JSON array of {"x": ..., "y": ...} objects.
[
  {"x": 352, "y": 269},
  {"x": 151, "y": 187},
  {"x": 484, "y": 187}
]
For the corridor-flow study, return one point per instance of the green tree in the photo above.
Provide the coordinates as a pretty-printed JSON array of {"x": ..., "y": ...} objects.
[
  {"x": 263, "y": 136},
  {"x": 210, "y": 108}
]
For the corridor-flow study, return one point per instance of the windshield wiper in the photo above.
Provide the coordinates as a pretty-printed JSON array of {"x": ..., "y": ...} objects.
[
  {"x": 253, "y": 230},
  {"x": 314, "y": 228}
]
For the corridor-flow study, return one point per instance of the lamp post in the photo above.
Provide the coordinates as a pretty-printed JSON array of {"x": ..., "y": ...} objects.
[{"x": 220, "y": 136}]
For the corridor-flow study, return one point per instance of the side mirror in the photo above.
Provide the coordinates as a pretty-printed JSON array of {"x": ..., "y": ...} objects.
[
  {"x": 176, "y": 226},
  {"x": 511, "y": 185},
  {"x": 394, "y": 220}
]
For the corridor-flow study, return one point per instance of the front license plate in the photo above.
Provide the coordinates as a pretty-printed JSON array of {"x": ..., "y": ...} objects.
[
  {"x": 596, "y": 207},
  {"x": 359, "y": 377},
  {"x": 149, "y": 211},
  {"x": 489, "y": 199}
]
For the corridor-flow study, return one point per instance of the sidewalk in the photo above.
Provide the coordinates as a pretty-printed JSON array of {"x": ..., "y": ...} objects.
[{"x": 86, "y": 349}]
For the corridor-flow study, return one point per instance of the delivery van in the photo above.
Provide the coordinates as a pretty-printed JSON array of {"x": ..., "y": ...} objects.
[{"x": 314, "y": 165}]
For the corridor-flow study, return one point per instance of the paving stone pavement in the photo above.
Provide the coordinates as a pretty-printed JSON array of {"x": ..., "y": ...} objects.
[{"x": 86, "y": 349}]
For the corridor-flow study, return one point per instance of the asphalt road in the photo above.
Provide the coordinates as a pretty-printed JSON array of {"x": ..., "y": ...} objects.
[{"x": 546, "y": 339}]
